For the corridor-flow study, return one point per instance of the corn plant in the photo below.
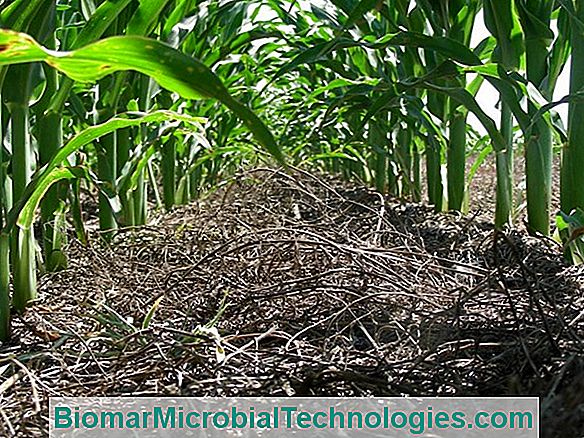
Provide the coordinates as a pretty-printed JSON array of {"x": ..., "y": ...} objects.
[
  {"x": 572, "y": 195},
  {"x": 542, "y": 69},
  {"x": 89, "y": 63}
]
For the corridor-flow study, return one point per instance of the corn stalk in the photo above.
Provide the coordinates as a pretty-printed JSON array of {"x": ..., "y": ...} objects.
[
  {"x": 572, "y": 175},
  {"x": 501, "y": 21},
  {"x": 535, "y": 17}
]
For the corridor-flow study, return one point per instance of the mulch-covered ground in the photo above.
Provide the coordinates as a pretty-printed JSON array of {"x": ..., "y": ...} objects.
[{"x": 292, "y": 284}]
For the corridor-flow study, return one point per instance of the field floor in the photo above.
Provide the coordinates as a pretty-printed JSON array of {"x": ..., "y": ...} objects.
[{"x": 293, "y": 284}]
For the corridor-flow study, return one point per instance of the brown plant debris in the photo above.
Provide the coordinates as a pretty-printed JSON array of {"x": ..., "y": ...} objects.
[{"x": 287, "y": 283}]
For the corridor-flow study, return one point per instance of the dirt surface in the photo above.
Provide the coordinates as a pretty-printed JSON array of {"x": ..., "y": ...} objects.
[{"x": 291, "y": 284}]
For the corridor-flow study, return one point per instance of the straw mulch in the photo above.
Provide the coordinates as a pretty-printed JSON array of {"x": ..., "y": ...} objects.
[{"x": 295, "y": 284}]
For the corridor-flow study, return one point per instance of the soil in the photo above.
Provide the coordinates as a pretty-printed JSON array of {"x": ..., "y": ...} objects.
[{"x": 290, "y": 283}]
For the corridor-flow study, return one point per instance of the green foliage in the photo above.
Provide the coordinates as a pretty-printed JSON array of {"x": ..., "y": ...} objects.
[
  {"x": 570, "y": 231},
  {"x": 171, "y": 69}
]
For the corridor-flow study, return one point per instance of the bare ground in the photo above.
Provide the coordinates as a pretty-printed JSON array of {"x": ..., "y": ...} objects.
[{"x": 315, "y": 287}]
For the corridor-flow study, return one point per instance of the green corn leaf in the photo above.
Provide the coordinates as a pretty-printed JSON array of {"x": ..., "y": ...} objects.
[
  {"x": 570, "y": 232},
  {"x": 483, "y": 154},
  {"x": 474, "y": 86},
  {"x": 87, "y": 8},
  {"x": 182, "y": 8},
  {"x": 463, "y": 21},
  {"x": 559, "y": 53},
  {"x": 569, "y": 8},
  {"x": 445, "y": 46},
  {"x": 143, "y": 20},
  {"x": 172, "y": 69},
  {"x": 533, "y": 17},
  {"x": 466, "y": 99},
  {"x": 145, "y": 17},
  {"x": 503, "y": 24},
  {"x": 19, "y": 14},
  {"x": 130, "y": 176},
  {"x": 511, "y": 88},
  {"x": 435, "y": 13},
  {"x": 22, "y": 214},
  {"x": 99, "y": 21},
  {"x": 484, "y": 49},
  {"x": 27, "y": 212},
  {"x": 386, "y": 100},
  {"x": 92, "y": 133},
  {"x": 548, "y": 107},
  {"x": 332, "y": 85},
  {"x": 313, "y": 54},
  {"x": 359, "y": 12}
]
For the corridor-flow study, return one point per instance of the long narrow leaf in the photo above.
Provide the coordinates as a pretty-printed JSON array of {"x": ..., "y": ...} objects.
[
  {"x": 172, "y": 69},
  {"x": 23, "y": 212}
]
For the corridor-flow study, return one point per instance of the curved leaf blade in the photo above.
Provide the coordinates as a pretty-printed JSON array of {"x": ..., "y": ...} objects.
[
  {"x": 172, "y": 69},
  {"x": 22, "y": 214}
]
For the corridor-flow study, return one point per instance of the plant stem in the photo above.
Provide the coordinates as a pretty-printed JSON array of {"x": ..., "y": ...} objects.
[
  {"x": 22, "y": 243},
  {"x": 434, "y": 174},
  {"x": 572, "y": 175},
  {"x": 379, "y": 144},
  {"x": 106, "y": 165},
  {"x": 417, "y": 172},
  {"x": 168, "y": 173},
  {"x": 404, "y": 153},
  {"x": 139, "y": 195},
  {"x": 5, "y": 205},
  {"x": 504, "y": 166},
  {"x": 154, "y": 185},
  {"x": 4, "y": 287},
  {"x": 456, "y": 160},
  {"x": 123, "y": 148},
  {"x": 538, "y": 142},
  {"x": 50, "y": 137}
]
